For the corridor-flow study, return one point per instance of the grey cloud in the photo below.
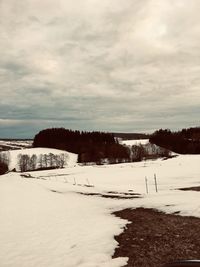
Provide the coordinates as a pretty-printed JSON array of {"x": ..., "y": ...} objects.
[{"x": 110, "y": 65}]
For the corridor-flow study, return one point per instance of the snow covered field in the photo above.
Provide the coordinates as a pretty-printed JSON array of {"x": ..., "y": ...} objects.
[
  {"x": 135, "y": 142},
  {"x": 48, "y": 221},
  {"x": 15, "y": 144},
  {"x": 39, "y": 227}
]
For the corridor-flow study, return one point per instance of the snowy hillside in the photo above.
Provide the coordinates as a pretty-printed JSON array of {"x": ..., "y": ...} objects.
[
  {"x": 13, "y": 156},
  {"x": 63, "y": 217},
  {"x": 180, "y": 171},
  {"x": 40, "y": 227}
]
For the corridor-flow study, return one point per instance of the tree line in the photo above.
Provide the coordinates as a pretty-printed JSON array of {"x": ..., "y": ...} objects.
[
  {"x": 186, "y": 141},
  {"x": 41, "y": 162},
  {"x": 90, "y": 146},
  {"x": 96, "y": 147}
]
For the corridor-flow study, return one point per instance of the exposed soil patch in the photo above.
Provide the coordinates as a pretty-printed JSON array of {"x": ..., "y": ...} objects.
[
  {"x": 154, "y": 238},
  {"x": 194, "y": 188},
  {"x": 55, "y": 191},
  {"x": 115, "y": 196}
]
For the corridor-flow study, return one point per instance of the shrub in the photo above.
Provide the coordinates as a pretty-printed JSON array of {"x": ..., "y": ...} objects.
[{"x": 3, "y": 168}]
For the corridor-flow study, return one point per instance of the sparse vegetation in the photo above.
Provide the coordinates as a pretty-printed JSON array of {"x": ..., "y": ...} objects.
[
  {"x": 43, "y": 162},
  {"x": 148, "y": 151}
]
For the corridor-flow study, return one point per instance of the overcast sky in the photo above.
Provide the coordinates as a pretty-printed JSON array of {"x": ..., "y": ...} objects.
[{"x": 112, "y": 65}]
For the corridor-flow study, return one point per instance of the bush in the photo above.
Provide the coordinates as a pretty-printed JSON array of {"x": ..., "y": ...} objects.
[{"x": 3, "y": 168}]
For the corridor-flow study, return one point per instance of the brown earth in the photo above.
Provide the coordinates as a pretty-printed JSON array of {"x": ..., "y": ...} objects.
[
  {"x": 194, "y": 188},
  {"x": 154, "y": 238}
]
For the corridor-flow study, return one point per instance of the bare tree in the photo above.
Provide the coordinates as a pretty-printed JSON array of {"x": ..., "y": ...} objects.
[
  {"x": 45, "y": 161},
  {"x": 5, "y": 157},
  {"x": 62, "y": 160},
  {"x": 138, "y": 152},
  {"x": 33, "y": 162},
  {"x": 40, "y": 161},
  {"x": 24, "y": 162},
  {"x": 57, "y": 161},
  {"x": 51, "y": 160}
]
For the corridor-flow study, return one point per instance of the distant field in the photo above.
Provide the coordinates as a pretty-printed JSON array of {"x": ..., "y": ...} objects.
[
  {"x": 135, "y": 142},
  {"x": 11, "y": 144}
]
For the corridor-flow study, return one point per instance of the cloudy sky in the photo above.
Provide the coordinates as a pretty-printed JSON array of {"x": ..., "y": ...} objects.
[{"x": 112, "y": 65}]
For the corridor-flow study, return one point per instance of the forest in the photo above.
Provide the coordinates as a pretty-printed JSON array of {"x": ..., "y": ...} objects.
[
  {"x": 186, "y": 141},
  {"x": 90, "y": 146}
]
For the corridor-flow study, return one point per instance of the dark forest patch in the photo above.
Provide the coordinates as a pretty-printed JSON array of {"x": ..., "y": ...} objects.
[
  {"x": 98, "y": 147},
  {"x": 186, "y": 141}
]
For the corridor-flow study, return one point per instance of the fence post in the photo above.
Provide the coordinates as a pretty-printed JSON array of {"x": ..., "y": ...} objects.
[
  {"x": 156, "y": 185},
  {"x": 146, "y": 183}
]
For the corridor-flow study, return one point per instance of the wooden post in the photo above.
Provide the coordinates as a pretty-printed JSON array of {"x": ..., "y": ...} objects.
[
  {"x": 146, "y": 182},
  {"x": 74, "y": 181},
  {"x": 156, "y": 185}
]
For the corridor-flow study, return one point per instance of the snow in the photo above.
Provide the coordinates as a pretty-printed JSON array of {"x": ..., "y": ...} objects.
[
  {"x": 39, "y": 227},
  {"x": 135, "y": 142},
  {"x": 47, "y": 221},
  {"x": 71, "y": 158},
  {"x": 180, "y": 171},
  {"x": 15, "y": 144}
]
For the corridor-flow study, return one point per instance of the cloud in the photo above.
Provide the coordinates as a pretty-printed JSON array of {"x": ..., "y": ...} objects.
[{"x": 110, "y": 65}]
